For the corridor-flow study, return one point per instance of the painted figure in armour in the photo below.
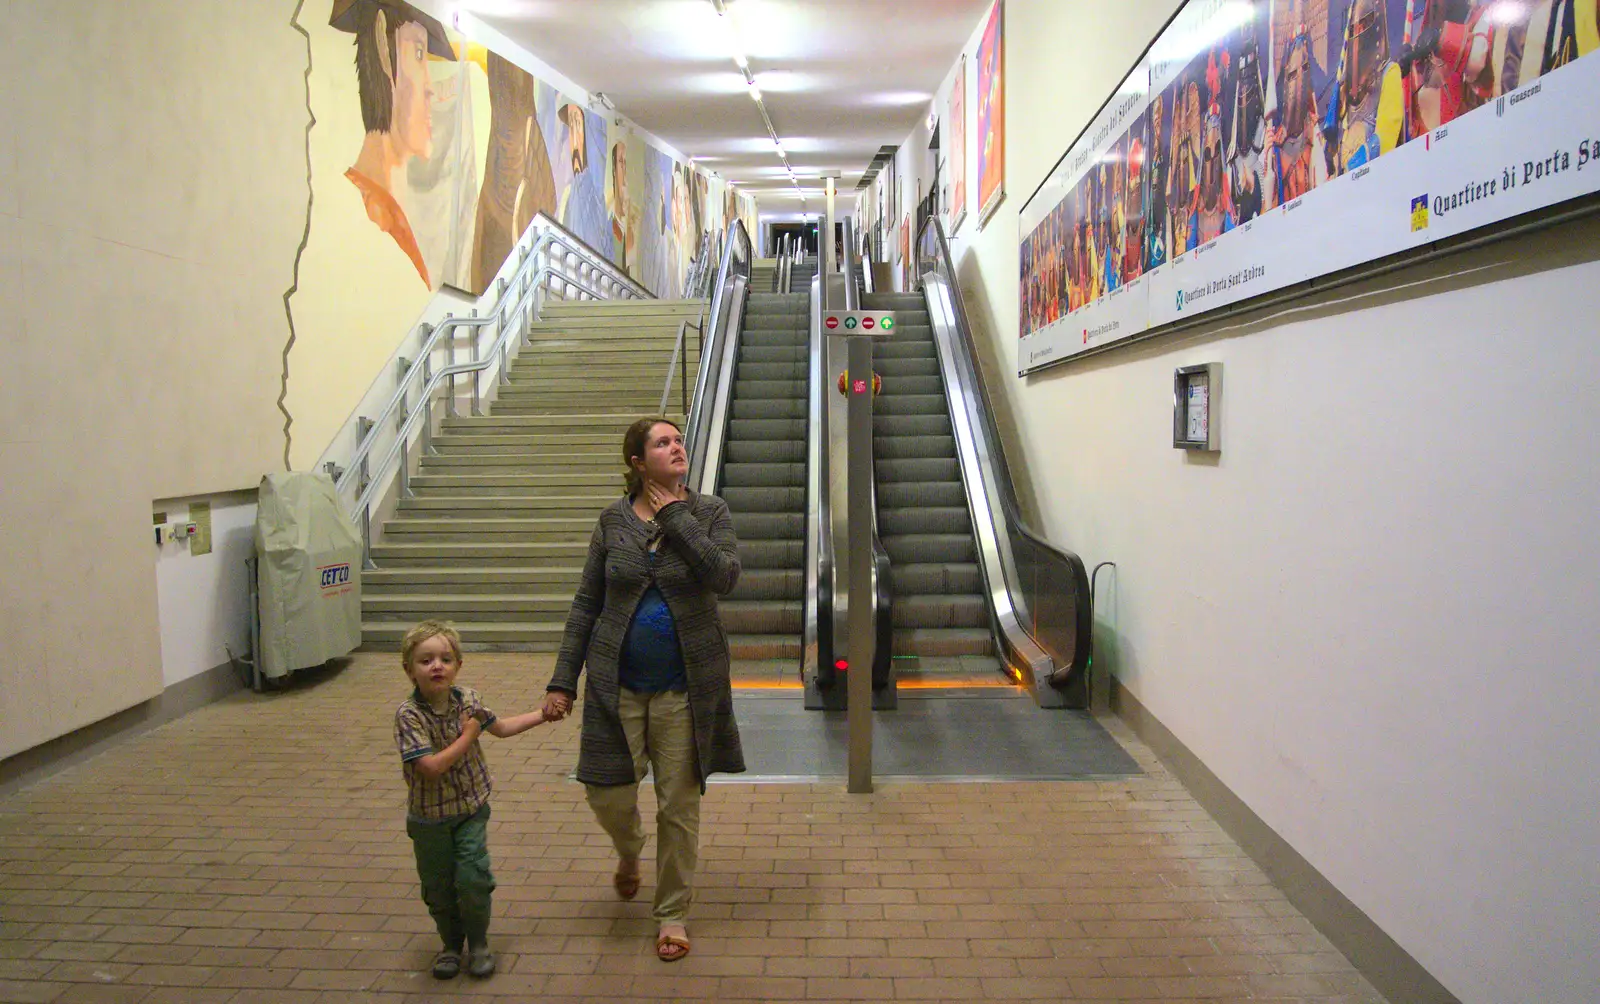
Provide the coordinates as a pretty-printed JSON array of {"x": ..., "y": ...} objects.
[
  {"x": 1185, "y": 176},
  {"x": 1212, "y": 215},
  {"x": 1133, "y": 239},
  {"x": 1249, "y": 131},
  {"x": 1294, "y": 141},
  {"x": 1366, "y": 119},
  {"x": 1155, "y": 231}
]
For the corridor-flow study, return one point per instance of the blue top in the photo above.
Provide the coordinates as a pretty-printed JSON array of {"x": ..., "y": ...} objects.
[{"x": 651, "y": 660}]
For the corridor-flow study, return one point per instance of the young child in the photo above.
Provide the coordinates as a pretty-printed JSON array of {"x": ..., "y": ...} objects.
[{"x": 447, "y": 816}]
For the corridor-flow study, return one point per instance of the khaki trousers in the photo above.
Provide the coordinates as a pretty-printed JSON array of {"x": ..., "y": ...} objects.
[{"x": 660, "y": 733}]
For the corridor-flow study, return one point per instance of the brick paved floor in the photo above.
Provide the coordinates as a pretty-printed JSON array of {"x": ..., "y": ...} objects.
[{"x": 254, "y": 851}]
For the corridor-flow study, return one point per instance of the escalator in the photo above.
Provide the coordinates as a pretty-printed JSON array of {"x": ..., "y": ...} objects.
[
  {"x": 801, "y": 272},
  {"x": 764, "y": 484},
  {"x": 963, "y": 593},
  {"x": 977, "y": 622},
  {"x": 940, "y": 616}
]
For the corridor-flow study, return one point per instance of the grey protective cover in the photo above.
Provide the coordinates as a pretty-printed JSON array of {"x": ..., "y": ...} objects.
[{"x": 309, "y": 573}]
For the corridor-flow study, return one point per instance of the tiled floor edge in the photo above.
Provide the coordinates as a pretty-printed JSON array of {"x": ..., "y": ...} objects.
[
  {"x": 30, "y": 766},
  {"x": 1386, "y": 965}
]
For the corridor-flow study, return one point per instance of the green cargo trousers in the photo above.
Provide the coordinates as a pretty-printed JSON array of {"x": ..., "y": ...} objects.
[
  {"x": 453, "y": 864},
  {"x": 660, "y": 733}
]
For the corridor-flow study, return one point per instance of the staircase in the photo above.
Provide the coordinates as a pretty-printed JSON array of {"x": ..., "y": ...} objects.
[
  {"x": 941, "y": 621},
  {"x": 496, "y": 535},
  {"x": 763, "y": 275},
  {"x": 764, "y": 484}
]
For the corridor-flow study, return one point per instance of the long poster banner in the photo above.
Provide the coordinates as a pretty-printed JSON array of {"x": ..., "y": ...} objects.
[{"x": 1261, "y": 143}]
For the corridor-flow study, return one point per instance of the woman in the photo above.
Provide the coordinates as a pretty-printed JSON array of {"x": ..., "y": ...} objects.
[{"x": 644, "y": 620}]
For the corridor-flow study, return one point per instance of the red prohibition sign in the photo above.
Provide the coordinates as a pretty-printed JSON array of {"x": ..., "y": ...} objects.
[
  {"x": 832, "y": 322},
  {"x": 868, "y": 322}
]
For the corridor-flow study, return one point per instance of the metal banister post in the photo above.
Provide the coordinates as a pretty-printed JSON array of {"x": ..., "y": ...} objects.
[
  {"x": 450, "y": 360},
  {"x": 404, "y": 412},
  {"x": 477, "y": 392},
  {"x": 363, "y": 428}
]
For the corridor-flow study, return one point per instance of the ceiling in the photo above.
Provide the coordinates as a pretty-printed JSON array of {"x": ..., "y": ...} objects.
[{"x": 839, "y": 78}]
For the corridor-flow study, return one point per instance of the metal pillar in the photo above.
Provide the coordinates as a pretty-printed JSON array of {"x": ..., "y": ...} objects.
[
  {"x": 861, "y": 641},
  {"x": 826, "y": 252}
]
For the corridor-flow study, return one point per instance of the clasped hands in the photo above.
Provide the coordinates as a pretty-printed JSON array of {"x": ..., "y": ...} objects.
[{"x": 557, "y": 705}]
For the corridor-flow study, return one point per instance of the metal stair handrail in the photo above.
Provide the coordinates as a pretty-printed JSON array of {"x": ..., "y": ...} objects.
[
  {"x": 579, "y": 273},
  {"x": 1047, "y": 586}
]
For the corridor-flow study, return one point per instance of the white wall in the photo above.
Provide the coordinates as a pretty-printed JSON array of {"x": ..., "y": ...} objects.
[
  {"x": 1373, "y": 616},
  {"x": 205, "y": 599},
  {"x": 154, "y": 192}
]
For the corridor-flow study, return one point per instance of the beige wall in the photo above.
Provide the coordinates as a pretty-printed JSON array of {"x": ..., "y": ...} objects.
[
  {"x": 1372, "y": 617},
  {"x": 152, "y": 191}
]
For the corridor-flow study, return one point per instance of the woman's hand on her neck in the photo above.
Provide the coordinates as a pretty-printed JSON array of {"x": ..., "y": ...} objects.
[{"x": 657, "y": 495}]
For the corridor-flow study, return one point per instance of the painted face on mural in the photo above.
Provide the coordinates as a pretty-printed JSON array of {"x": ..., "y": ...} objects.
[
  {"x": 1294, "y": 89},
  {"x": 577, "y": 143},
  {"x": 412, "y": 131},
  {"x": 1366, "y": 50},
  {"x": 619, "y": 178}
]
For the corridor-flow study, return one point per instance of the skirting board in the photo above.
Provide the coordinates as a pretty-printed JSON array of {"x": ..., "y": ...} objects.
[
  {"x": 36, "y": 764},
  {"x": 1378, "y": 957}
]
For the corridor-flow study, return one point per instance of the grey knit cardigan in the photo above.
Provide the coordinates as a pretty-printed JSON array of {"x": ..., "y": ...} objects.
[{"x": 697, "y": 561}]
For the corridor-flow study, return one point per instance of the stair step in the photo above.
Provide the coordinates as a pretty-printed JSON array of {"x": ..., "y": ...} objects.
[
  {"x": 473, "y": 507},
  {"x": 933, "y": 578},
  {"x": 548, "y": 530},
  {"x": 610, "y": 484},
  {"x": 546, "y": 423},
  {"x": 764, "y": 646},
  {"x": 898, "y": 522},
  {"x": 388, "y": 582},
  {"x": 910, "y": 494},
  {"x": 481, "y": 455},
  {"x": 909, "y": 447},
  {"x": 761, "y": 616},
  {"x": 643, "y": 405},
  {"x": 757, "y": 475},
  {"x": 765, "y": 500},
  {"x": 476, "y": 636},
  {"x": 767, "y": 429},
  {"x": 477, "y": 554},
  {"x": 766, "y": 584},
  {"x": 943, "y": 641},
  {"x": 946, "y": 611},
  {"x": 486, "y": 607},
  {"x": 954, "y": 548}
]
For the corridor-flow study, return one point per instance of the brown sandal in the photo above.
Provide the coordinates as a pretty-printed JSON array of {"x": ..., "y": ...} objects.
[
  {"x": 626, "y": 881},
  {"x": 671, "y": 947}
]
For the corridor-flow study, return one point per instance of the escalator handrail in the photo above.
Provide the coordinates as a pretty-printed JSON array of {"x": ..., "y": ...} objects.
[
  {"x": 933, "y": 255},
  {"x": 816, "y": 651},
  {"x": 721, "y": 339}
]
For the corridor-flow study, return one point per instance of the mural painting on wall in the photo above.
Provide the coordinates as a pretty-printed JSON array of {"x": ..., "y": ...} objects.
[
  {"x": 1242, "y": 113},
  {"x": 957, "y": 164},
  {"x": 992, "y": 114},
  {"x": 425, "y": 140}
]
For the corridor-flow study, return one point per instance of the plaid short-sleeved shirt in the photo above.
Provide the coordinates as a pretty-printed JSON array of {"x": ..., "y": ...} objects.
[{"x": 420, "y": 731}]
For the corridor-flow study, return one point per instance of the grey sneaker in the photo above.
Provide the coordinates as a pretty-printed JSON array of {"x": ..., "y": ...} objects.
[
  {"x": 482, "y": 963},
  {"x": 446, "y": 965}
]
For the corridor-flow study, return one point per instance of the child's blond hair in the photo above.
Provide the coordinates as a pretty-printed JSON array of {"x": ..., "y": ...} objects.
[{"x": 421, "y": 633}]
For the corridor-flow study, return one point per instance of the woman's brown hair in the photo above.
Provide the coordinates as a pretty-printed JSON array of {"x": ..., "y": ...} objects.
[{"x": 633, "y": 445}]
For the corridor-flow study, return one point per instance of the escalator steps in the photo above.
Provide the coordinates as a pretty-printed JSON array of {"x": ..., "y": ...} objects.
[{"x": 939, "y": 607}]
